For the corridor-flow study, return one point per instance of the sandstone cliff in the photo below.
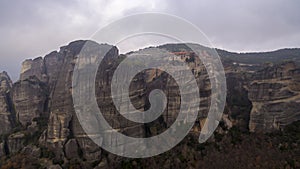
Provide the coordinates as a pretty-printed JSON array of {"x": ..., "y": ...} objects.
[
  {"x": 30, "y": 98},
  {"x": 38, "y": 117},
  {"x": 274, "y": 92},
  {"x": 7, "y": 118}
]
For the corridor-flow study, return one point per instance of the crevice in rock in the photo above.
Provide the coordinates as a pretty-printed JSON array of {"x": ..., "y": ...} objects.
[{"x": 5, "y": 147}]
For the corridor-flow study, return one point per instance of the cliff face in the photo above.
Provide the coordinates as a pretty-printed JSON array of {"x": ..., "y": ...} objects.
[
  {"x": 40, "y": 106},
  {"x": 32, "y": 68},
  {"x": 7, "y": 121},
  {"x": 63, "y": 134},
  {"x": 274, "y": 92},
  {"x": 238, "y": 105},
  {"x": 29, "y": 98}
]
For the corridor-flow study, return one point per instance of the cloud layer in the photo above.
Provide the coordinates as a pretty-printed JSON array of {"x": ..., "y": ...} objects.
[{"x": 31, "y": 29}]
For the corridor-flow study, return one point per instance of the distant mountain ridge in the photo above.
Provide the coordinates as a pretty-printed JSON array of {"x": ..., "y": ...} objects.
[{"x": 277, "y": 56}]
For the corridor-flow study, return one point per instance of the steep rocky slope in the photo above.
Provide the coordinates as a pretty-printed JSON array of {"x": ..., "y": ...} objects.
[
  {"x": 6, "y": 107},
  {"x": 38, "y": 118},
  {"x": 274, "y": 92},
  {"x": 29, "y": 98}
]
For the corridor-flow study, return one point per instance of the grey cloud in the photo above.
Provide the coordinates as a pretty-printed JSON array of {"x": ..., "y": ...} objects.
[
  {"x": 245, "y": 25},
  {"x": 33, "y": 28}
]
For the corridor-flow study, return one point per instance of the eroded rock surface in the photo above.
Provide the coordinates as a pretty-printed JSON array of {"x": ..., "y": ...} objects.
[
  {"x": 7, "y": 117},
  {"x": 275, "y": 96},
  {"x": 30, "y": 100},
  {"x": 39, "y": 107}
]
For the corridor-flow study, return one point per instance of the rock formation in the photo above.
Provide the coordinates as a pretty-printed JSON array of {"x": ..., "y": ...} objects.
[
  {"x": 30, "y": 98},
  {"x": 274, "y": 92},
  {"x": 7, "y": 118},
  {"x": 38, "y": 117}
]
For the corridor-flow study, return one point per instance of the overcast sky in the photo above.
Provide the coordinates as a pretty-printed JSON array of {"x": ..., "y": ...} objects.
[{"x": 34, "y": 28}]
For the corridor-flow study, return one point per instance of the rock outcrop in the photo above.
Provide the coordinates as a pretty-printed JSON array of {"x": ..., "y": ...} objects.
[
  {"x": 37, "y": 116},
  {"x": 71, "y": 149},
  {"x": 275, "y": 95},
  {"x": 44, "y": 90},
  {"x": 30, "y": 100},
  {"x": 15, "y": 142},
  {"x": 238, "y": 105},
  {"x": 32, "y": 68},
  {"x": 7, "y": 117}
]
